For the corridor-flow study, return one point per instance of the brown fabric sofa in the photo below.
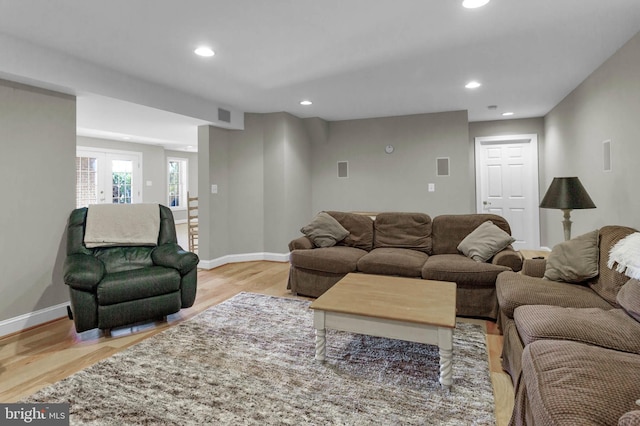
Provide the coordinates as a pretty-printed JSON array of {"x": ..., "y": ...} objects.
[
  {"x": 407, "y": 245},
  {"x": 572, "y": 352}
]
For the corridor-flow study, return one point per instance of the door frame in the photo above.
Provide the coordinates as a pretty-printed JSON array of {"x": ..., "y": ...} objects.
[{"x": 531, "y": 138}]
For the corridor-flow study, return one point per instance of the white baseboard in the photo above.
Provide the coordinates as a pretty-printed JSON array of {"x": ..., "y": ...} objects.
[
  {"x": 31, "y": 319},
  {"x": 247, "y": 257}
]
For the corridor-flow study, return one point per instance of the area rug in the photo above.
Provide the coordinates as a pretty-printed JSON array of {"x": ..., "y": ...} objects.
[{"x": 250, "y": 361}]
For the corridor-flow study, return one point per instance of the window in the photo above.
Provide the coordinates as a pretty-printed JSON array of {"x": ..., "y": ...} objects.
[{"x": 177, "y": 182}]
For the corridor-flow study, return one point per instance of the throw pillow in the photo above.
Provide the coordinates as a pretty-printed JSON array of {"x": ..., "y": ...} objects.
[
  {"x": 574, "y": 261},
  {"x": 629, "y": 298},
  {"x": 484, "y": 242},
  {"x": 324, "y": 230}
]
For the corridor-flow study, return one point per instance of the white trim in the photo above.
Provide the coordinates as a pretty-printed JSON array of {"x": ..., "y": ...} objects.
[
  {"x": 246, "y": 257},
  {"x": 31, "y": 319}
]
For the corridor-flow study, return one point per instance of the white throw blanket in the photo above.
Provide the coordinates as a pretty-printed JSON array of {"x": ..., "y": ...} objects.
[
  {"x": 122, "y": 225},
  {"x": 626, "y": 256}
]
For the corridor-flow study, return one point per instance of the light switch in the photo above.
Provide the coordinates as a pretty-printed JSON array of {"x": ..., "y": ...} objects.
[
  {"x": 149, "y": 183},
  {"x": 432, "y": 187},
  {"x": 214, "y": 189}
]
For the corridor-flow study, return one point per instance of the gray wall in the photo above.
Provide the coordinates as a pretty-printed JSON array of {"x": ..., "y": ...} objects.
[
  {"x": 154, "y": 168},
  {"x": 398, "y": 181},
  {"x": 263, "y": 178},
  {"x": 37, "y": 143},
  {"x": 605, "y": 106}
]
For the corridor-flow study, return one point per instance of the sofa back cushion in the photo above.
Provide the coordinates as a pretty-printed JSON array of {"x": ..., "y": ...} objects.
[
  {"x": 609, "y": 281},
  {"x": 403, "y": 230},
  {"x": 450, "y": 230},
  {"x": 360, "y": 229}
]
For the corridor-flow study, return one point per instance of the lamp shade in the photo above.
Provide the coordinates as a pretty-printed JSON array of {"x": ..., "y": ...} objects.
[{"x": 566, "y": 193}]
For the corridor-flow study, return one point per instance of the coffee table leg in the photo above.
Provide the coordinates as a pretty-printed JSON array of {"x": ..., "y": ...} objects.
[
  {"x": 445, "y": 344},
  {"x": 321, "y": 341}
]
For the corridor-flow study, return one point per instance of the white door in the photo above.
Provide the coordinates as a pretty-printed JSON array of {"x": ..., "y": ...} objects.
[
  {"x": 107, "y": 177},
  {"x": 507, "y": 184}
]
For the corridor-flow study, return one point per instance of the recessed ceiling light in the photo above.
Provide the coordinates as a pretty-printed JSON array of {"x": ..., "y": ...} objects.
[
  {"x": 472, "y": 85},
  {"x": 204, "y": 51},
  {"x": 506, "y": 114},
  {"x": 472, "y": 4},
  {"x": 306, "y": 102}
]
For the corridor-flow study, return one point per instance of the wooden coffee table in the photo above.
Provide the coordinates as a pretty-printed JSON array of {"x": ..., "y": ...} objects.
[{"x": 414, "y": 310}]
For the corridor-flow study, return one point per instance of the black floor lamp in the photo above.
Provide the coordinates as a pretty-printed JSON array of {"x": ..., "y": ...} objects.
[{"x": 566, "y": 194}]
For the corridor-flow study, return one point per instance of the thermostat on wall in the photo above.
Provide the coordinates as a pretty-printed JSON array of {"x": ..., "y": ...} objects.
[{"x": 388, "y": 149}]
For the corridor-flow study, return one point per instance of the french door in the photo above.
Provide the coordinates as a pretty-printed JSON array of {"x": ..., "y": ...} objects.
[{"x": 104, "y": 176}]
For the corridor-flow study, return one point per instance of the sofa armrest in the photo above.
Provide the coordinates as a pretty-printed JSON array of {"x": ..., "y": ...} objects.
[
  {"x": 508, "y": 257},
  {"x": 301, "y": 243},
  {"x": 630, "y": 418},
  {"x": 173, "y": 256},
  {"x": 83, "y": 271},
  {"x": 534, "y": 267}
]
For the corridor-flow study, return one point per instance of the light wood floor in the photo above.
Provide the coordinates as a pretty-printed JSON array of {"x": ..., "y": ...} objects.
[{"x": 32, "y": 359}]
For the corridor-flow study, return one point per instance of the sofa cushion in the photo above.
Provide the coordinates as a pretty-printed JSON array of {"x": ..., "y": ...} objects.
[
  {"x": 611, "y": 328},
  {"x": 336, "y": 259},
  {"x": 393, "y": 261},
  {"x": 629, "y": 298},
  {"x": 515, "y": 290},
  {"x": 574, "y": 261},
  {"x": 360, "y": 229},
  {"x": 403, "y": 230},
  {"x": 137, "y": 284},
  {"x": 324, "y": 230},
  {"x": 461, "y": 270},
  {"x": 571, "y": 383},
  {"x": 484, "y": 242},
  {"x": 450, "y": 230},
  {"x": 609, "y": 281}
]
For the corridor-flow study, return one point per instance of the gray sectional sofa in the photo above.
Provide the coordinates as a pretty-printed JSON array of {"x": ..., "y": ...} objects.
[{"x": 407, "y": 245}]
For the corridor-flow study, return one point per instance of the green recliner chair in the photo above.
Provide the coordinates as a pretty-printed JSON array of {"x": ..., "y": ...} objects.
[{"x": 121, "y": 285}]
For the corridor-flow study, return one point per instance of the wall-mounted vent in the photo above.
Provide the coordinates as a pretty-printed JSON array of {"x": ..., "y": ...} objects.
[
  {"x": 224, "y": 115},
  {"x": 343, "y": 169},
  {"x": 442, "y": 166},
  {"x": 606, "y": 156}
]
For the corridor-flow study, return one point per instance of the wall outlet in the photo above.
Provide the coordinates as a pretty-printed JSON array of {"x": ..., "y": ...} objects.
[
  {"x": 214, "y": 189},
  {"x": 432, "y": 187}
]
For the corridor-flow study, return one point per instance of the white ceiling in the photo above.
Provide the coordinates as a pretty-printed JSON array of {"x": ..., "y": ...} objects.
[{"x": 353, "y": 59}]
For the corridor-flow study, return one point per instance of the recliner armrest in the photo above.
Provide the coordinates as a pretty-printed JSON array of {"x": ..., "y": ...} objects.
[
  {"x": 173, "y": 256},
  {"x": 508, "y": 257},
  {"x": 83, "y": 271}
]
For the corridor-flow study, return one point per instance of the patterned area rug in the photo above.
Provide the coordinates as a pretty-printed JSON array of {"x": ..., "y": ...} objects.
[{"x": 250, "y": 360}]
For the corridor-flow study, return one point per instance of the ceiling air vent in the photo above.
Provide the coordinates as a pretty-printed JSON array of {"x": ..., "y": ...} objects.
[{"x": 224, "y": 115}]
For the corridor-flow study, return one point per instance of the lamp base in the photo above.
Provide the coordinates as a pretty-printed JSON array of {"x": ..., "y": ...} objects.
[{"x": 566, "y": 224}]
